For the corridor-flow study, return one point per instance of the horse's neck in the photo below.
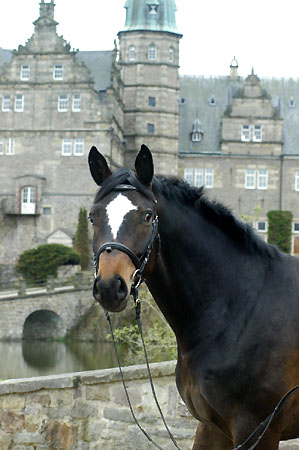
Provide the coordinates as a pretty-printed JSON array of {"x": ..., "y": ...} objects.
[{"x": 197, "y": 272}]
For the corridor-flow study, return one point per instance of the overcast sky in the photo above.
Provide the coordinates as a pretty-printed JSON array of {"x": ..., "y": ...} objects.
[{"x": 261, "y": 33}]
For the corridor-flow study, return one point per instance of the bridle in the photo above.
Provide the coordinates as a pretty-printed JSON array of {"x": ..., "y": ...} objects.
[{"x": 141, "y": 262}]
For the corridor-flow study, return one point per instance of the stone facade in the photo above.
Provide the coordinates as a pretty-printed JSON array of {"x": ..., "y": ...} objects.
[{"x": 238, "y": 137}]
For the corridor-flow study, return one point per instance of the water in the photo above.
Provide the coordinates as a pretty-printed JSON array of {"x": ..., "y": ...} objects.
[{"x": 35, "y": 358}]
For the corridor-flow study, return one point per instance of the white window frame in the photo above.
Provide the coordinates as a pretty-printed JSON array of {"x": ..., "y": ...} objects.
[
  {"x": 132, "y": 53},
  {"x": 257, "y": 133},
  {"x": 1, "y": 146},
  {"x": 297, "y": 181},
  {"x": 28, "y": 200},
  {"x": 5, "y": 102},
  {"x": 25, "y": 72},
  {"x": 10, "y": 146},
  {"x": 293, "y": 227},
  {"x": 58, "y": 72},
  {"x": 152, "y": 52},
  {"x": 19, "y": 102},
  {"x": 188, "y": 175},
  {"x": 79, "y": 147},
  {"x": 196, "y": 136},
  {"x": 66, "y": 147},
  {"x": 262, "y": 179},
  {"x": 245, "y": 133},
  {"x": 250, "y": 179},
  {"x": 171, "y": 54},
  {"x": 63, "y": 103},
  {"x": 198, "y": 177},
  {"x": 257, "y": 226},
  {"x": 76, "y": 102},
  {"x": 209, "y": 178}
]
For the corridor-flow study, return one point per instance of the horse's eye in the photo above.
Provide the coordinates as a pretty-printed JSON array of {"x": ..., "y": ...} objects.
[
  {"x": 90, "y": 218},
  {"x": 148, "y": 217}
]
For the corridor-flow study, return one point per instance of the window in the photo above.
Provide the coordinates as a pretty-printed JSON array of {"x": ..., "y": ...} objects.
[
  {"x": 188, "y": 176},
  {"x": 1, "y": 146},
  {"x": 150, "y": 128},
  {"x": 295, "y": 227},
  {"x": 79, "y": 147},
  {"x": 58, "y": 72},
  {"x": 63, "y": 102},
  {"x": 182, "y": 101},
  {"x": 66, "y": 149},
  {"x": 262, "y": 227},
  {"x": 245, "y": 136},
  {"x": 5, "y": 102},
  {"x": 10, "y": 144},
  {"x": 46, "y": 211},
  {"x": 297, "y": 181},
  {"x": 153, "y": 8},
  {"x": 28, "y": 196},
  {"x": 25, "y": 72},
  {"x": 292, "y": 102},
  {"x": 196, "y": 134},
  {"x": 132, "y": 53},
  {"x": 212, "y": 101},
  {"x": 19, "y": 102},
  {"x": 171, "y": 55},
  {"x": 257, "y": 133},
  {"x": 152, "y": 101},
  {"x": 152, "y": 52},
  {"x": 76, "y": 105},
  {"x": 200, "y": 177},
  {"x": 262, "y": 179},
  {"x": 250, "y": 179},
  {"x": 209, "y": 178}
]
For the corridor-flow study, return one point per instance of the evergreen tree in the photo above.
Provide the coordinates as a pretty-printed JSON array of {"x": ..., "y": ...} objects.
[{"x": 81, "y": 244}]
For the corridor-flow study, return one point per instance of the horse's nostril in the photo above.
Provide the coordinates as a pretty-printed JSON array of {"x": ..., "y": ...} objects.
[{"x": 122, "y": 289}]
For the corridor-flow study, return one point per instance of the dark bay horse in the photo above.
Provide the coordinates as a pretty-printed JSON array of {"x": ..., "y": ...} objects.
[{"x": 231, "y": 299}]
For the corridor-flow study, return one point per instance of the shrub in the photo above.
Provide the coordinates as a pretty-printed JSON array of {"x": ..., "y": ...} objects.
[
  {"x": 280, "y": 229},
  {"x": 38, "y": 263},
  {"x": 81, "y": 244}
]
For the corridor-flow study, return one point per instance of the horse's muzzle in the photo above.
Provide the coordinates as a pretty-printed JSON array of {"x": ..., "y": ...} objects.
[{"x": 112, "y": 294}]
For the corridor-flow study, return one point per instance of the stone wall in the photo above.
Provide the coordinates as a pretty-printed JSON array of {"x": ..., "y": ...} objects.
[{"x": 89, "y": 411}]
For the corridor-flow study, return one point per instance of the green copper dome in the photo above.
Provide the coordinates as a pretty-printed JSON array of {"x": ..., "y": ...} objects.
[{"x": 154, "y": 15}]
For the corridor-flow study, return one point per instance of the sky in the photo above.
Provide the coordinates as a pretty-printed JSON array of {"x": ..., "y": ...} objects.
[{"x": 262, "y": 34}]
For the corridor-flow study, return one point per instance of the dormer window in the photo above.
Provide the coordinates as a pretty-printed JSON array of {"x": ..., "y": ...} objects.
[
  {"x": 197, "y": 133},
  {"x": 212, "y": 101},
  {"x": 152, "y": 52},
  {"x": 153, "y": 7},
  {"x": 292, "y": 102},
  {"x": 132, "y": 53}
]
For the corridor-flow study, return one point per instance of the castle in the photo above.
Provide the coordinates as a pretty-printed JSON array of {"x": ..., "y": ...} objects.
[{"x": 239, "y": 138}]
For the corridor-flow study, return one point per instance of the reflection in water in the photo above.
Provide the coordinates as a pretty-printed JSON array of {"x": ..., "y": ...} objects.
[{"x": 34, "y": 358}]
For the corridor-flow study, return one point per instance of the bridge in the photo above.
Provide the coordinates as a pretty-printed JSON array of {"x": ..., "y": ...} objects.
[{"x": 43, "y": 313}]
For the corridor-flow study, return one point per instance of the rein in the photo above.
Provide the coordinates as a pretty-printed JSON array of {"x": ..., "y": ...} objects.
[{"x": 140, "y": 264}]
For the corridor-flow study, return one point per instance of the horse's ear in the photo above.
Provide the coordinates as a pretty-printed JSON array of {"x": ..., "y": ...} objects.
[
  {"x": 98, "y": 166},
  {"x": 144, "y": 166}
]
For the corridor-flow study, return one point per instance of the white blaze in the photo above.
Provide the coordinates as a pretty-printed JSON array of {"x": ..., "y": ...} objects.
[{"x": 116, "y": 211}]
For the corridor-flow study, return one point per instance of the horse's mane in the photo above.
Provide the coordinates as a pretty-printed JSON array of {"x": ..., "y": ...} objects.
[
  {"x": 179, "y": 191},
  {"x": 176, "y": 190}
]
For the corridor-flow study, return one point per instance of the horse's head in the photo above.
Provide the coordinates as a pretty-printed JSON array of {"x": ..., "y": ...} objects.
[{"x": 125, "y": 227}]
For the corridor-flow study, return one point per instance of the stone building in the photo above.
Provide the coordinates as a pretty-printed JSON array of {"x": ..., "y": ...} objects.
[{"x": 238, "y": 137}]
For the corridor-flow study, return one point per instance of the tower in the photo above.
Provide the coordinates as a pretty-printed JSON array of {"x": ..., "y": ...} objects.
[{"x": 149, "y": 60}]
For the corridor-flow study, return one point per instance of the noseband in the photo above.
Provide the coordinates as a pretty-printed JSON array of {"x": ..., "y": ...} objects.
[{"x": 141, "y": 262}]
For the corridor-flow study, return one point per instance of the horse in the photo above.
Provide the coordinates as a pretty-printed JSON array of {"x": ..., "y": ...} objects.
[{"x": 231, "y": 299}]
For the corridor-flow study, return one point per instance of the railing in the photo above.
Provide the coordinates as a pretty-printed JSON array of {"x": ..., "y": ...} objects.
[{"x": 20, "y": 287}]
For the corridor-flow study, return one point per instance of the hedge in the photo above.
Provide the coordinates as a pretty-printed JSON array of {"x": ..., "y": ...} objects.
[
  {"x": 38, "y": 263},
  {"x": 280, "y": 229}
]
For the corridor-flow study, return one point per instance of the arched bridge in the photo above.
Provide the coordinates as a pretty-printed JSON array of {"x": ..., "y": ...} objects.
[{"x": 43, "y": 315}]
